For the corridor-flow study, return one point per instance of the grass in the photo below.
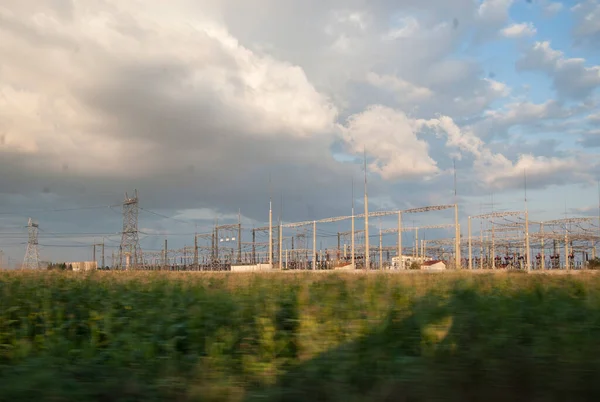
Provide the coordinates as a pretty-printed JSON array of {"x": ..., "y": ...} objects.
[{"x": 131, "y": 336}]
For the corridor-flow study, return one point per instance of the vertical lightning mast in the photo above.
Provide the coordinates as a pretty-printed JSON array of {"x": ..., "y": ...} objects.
[
  {"x": 352, "y": 229},
  {"x": 527, "y": 251},
  {"x": 367, "y": 259}
]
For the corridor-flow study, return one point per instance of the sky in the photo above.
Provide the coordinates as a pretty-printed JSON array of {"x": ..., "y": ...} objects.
[{"x": 209, "y": 107}]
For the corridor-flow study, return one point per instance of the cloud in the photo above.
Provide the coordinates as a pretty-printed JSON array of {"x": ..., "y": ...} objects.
[
  {"x": 571, "y": 78},
  {"x": 550, "y": 8},
  {"x": 494, "y": 11},
  {"x": 197, "y": 104},
  {"x": 588, "y": 210},
  {"x": 590, "y": 138},
  {"x": 594, "y": 118},
  {"x": 519, "y": 30},
  {"x": 391, "y": 140},
  {"x": 587, "y": 22},
  {"x": 194, "y": 107},
  {"x": 534, "y": 117},
  {"x": 394, "y": 142},
  {"x": 541, "y": 171},
  {"x": 404, "y": 90}
]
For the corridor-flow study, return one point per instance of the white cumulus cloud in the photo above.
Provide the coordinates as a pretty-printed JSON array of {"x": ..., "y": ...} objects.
[{"x": 519, "y": 30}]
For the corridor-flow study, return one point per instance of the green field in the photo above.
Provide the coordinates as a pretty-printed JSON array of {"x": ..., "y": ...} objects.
[{"x": 140, "y": 336}]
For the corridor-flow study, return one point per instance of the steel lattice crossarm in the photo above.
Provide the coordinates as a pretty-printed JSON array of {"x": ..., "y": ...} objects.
[
  {"x": 569, "y": 232},
  {"x": 297, "y": 224},
  {"x": 509, "y": 225},
  {"x": 497, "y": 240},
  {"x": 335, "y": 219},
  {"x": 561, "y": 236},
  {"x": 376, "y": 214},
  {"x": 410, "y": 229},
  {"x": 442, "y": 242},
  {"x": 493, "y": 215},
  {"x": 325, "y": 220},
  {"x": 568, "y": 220},
  {"x": 349, "y": 232},
  {"x": 373, "y": 214},
  {"x": 427, "y": 209},
  {"x": 233, "y": 226},
  {"x": 264, "y": 228},
  {"x": 505, "y": 229},
  {"x": 385, "y": 248},
  {"x": 204, "y": 235}
]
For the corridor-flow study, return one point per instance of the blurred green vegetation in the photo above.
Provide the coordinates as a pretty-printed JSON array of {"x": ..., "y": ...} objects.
[{"x": 133, "y": 336}]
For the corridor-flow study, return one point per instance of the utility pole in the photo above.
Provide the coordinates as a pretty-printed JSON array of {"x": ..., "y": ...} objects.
[
  {"x": 280, "y": 259},
  {"x": 196, "y": 262},
  {"x": 480, "y": 244},
  {"x": 493, "y": 247},
  {"x": 567, "y": 266},
  {"x": 166, "y": 256},
  {"x": 103, "y": 254},
  {"x": 338, "y": 246},
  {"x": 470, "y": 249},
  {"x": 253, "y": 246},
  {"x": 314, "y": 261},
  {"x": 239, "y": 236},
  {"x": 543, "y": 266},
  {"x": 527, "y": 260},
  {"x": 457, "y": 227},
  {"x": 401, "y": 261},
  {"x": 270, "y": 228},
  {"x": 352, "y": 229},
  {"x": 416, "y": 242},
  {"x": 217, "y": 257},
  {"x": 367, "y": 256},
  {"x": 280, "y": 236},
  {"x": 457, "y": 238},
  {"x": 380, "y": 247}
]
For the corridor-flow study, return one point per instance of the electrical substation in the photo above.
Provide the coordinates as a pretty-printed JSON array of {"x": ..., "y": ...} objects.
[{"x": 494, "y": 241}]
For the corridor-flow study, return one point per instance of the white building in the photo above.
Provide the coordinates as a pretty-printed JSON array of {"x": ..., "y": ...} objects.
[
  {"x": 251, "y": 268},
  {"x": 407, "y": 260},
  {"x": 83, "y": 265},
  {"x": 433, "y": 265}
]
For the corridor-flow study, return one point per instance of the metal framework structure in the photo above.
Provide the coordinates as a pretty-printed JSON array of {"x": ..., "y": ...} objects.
[
  {"x": 487, "y": 255},
  {"x": 130, "y": 253},
  {"x": 32, "y": 257}
]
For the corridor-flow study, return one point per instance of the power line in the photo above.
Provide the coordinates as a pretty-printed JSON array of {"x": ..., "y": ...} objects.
[
  {"x": 165, "y": 216},
  {"x": 19, "y": 213}
]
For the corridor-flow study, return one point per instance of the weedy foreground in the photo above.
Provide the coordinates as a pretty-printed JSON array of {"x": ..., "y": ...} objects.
[{"x": 156, "y": 336}]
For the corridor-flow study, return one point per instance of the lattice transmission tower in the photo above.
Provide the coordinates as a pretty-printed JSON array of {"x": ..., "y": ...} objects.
[
  {"x": 32, "y": 257},
  {"x": 130, "y": 253}
]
